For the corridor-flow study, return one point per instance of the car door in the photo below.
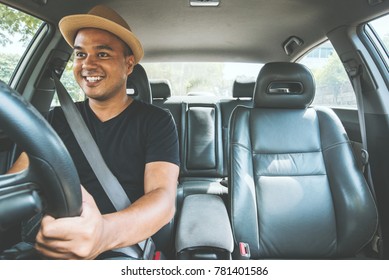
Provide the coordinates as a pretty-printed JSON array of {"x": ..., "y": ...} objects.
[{"x": 363, "y": 48}]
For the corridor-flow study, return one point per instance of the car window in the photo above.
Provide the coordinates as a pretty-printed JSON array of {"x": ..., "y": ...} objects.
[
  {"x": 17, "y": 29},
  {"x": 207, "y": 78},
  {"x": 186, "y": 78},
  {"x": 378, "y": 32},
  {"x": 333, "y": 87},
  {"x": 380, "y": 25},
  {"x": 70, "y": 84}
]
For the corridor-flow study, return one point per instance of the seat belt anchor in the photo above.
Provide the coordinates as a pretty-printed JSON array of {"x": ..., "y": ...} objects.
[
  {"x": 244, "y": 251},
  {"x": 376, "y": 243},
  {"x": 365, "y": 156},
  {"x": 149, "y": 249}
]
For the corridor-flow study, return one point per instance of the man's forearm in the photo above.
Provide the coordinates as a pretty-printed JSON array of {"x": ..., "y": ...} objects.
[{"x": 139, "y": 221}]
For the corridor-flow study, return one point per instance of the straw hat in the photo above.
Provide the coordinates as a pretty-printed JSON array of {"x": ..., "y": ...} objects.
[{"x": 104, "y": 18}]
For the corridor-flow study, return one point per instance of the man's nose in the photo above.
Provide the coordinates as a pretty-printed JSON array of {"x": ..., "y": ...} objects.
[{"x": 89, "y": 62}]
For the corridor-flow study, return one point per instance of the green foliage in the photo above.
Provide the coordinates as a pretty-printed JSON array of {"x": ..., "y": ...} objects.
[
  {"x": 16, "y": 22},
  {"x": 8, "y": 63},
  {"x": 332, "y": 74},
  {"x": 191, "y": 77},
  {"x": 70, "y": 84}
]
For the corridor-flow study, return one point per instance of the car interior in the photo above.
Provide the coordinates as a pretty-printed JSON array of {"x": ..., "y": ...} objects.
[{"x": 270, "y": 166}]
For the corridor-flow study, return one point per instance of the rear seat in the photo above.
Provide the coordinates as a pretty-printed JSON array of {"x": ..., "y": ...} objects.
[
  {"x": 242, "y": 94},
  {"x": 162, "y": 97},
  {"x": 202, "y": 126},
  {"x": 199, "y": 130},
  {"x": 202, "y": 160}
]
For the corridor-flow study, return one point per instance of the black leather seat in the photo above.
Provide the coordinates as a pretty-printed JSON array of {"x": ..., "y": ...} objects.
[
  {"x": 295, "y": 188},
  {"x": 138, "y": 85},
  {"x": 242, "y": 94},
  {"x": 160, "y": 89},
  {"x": 162, "y": 97}
]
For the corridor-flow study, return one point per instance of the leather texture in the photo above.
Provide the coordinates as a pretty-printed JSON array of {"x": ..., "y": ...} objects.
[
  {"x": 201, "y": 151},
  {"x": 160, "y": 89},
  {"x": 242, "y": 93},
  {"x": 276, "y": 83},
  {"x": 201, "y": 143},
  {"x": 201, "y": 147},
  {"x": 193, "y": 230},
  {"x": 139, "y": 82},
  {"x": 241, "y": 89},
  {"x": 51, "y": 168},
  {"x": 295, "y": 188}
]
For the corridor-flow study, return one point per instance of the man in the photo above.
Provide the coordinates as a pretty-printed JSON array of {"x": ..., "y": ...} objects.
[{"x": 138, "y": 142}]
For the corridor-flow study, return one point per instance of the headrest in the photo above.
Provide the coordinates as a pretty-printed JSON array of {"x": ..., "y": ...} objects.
[
  {"x": 284, "y": 85},
  {"x": 160, "y": 89},
  {"x": 138, "y": 85},
  {"x": 243, "y": 88}
]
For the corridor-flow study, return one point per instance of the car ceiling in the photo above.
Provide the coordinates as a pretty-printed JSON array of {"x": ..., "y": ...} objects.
[{"x": 236, "y": 30}]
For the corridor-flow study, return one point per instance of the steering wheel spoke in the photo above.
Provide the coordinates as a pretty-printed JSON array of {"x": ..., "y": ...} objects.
[
  {"x": 19, "y": 199},
  {"x": 51, "y": 181}
]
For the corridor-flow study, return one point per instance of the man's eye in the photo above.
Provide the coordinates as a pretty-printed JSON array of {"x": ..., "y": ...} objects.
[
  {"x": 79, "y": 54},
  {"x": 103, "y": 54}
]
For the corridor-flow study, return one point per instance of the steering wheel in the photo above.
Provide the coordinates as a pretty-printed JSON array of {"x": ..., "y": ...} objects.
[{"x": 50, "y": 183}]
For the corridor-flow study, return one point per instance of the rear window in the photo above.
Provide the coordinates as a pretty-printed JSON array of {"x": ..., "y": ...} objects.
[{"x": 191, "y": 78}]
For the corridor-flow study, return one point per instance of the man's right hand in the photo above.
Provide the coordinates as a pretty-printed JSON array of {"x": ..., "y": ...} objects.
[{"x": 75, "y": 237}]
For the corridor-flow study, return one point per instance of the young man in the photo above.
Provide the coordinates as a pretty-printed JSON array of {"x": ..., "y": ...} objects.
[{"x": 138, "y": 142}]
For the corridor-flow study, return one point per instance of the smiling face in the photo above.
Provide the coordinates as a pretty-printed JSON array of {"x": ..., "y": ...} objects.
[{"x": 101, "y": 65}]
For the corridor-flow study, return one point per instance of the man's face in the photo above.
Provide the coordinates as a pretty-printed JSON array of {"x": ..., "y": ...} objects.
[{"x": 100, "y": 65}]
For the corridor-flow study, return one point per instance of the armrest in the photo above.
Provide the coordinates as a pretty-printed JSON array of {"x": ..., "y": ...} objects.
[{"x": 204, "y": 223}]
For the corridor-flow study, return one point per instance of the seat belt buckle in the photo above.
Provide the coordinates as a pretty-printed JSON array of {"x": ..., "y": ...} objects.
[
  {"x": 149, "y": 249},
  {"x": 244, "y": 251},
  {"x": 365, "y": 157}
]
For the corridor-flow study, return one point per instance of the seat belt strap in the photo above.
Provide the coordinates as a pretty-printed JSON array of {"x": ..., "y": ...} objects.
[
  {"x": 356, "y": 81},
  {"x": 108, "y": 181},
  {"x": 88, "y": 145},
  {"x": 356, "y": 74}
]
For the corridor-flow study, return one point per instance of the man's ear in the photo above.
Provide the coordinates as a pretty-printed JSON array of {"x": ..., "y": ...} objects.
[{"x": 130, "y": 61}]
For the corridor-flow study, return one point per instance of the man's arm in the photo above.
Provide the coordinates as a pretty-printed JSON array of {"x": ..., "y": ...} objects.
[
  {"x": 149, "y": 213},
  {"x": 89, "y": 235},
  {"x": 20, "y": 164}
]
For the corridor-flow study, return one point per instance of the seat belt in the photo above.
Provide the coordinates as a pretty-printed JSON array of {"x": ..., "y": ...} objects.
[
  {"x": 110, "y": 184},
  {"x": 356, "y": 74}
]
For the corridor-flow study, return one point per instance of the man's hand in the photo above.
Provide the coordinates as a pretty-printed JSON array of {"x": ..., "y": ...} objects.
[{"x": 73, "y": 238}]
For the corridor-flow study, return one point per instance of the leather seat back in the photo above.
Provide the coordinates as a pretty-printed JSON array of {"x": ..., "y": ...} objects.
[
  {"x": 242, "y": 94},
  {"x": 138, "y": 86},
  {"x": 202, "y": 145},
  {"x": 295, "y": 188}
]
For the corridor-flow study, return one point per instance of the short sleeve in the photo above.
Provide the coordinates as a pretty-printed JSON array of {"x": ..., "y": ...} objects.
[{"x": 162, "y": 139}]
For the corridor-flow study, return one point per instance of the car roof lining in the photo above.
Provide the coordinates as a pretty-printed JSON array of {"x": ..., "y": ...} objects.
[{"x": 172, "y": 31}]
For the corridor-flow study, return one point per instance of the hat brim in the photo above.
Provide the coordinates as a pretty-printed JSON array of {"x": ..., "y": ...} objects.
[{"x": 70, "y": 25}]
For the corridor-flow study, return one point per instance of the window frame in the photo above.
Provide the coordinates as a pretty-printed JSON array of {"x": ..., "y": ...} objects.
[{"x": 375, "y": 47}]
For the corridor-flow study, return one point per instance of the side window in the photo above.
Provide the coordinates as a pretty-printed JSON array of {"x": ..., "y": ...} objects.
[
  {"x": 70, "y": 84},
  {"x": 378, "y": 32},
  {"x": 333, "y": 87},
  {"x": 17, "y": 30}
]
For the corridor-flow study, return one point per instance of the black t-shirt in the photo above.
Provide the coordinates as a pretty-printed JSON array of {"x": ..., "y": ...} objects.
[{"x": 142, "y": 133}]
